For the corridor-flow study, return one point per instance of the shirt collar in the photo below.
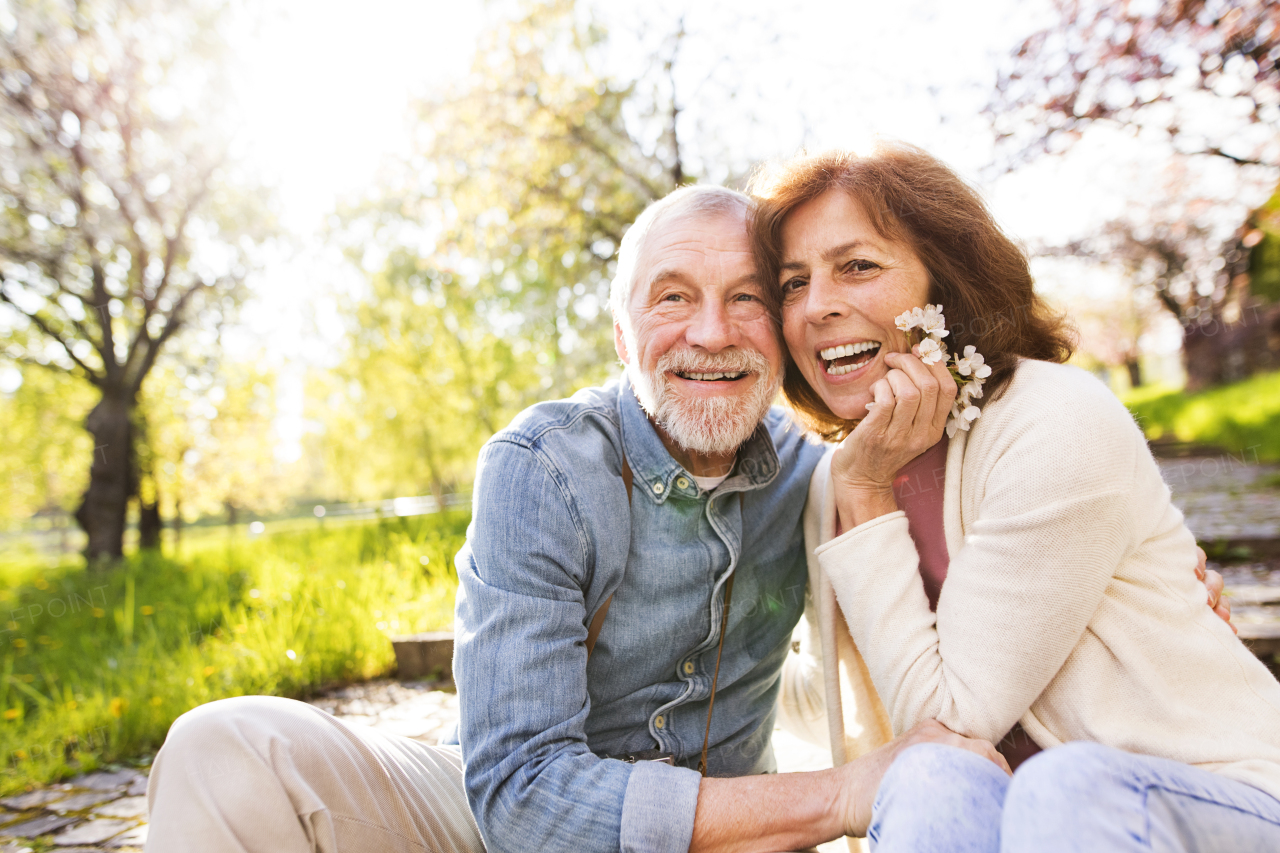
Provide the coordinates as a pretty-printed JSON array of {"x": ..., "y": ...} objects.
[{"x": 657, "y": 474}]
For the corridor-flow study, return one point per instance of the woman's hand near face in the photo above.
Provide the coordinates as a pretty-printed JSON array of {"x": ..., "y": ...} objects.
[{"x": 909, "y": 415}]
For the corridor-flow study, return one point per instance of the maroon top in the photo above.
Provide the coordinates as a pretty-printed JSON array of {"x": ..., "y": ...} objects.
[{"x": 919, "y": 490}]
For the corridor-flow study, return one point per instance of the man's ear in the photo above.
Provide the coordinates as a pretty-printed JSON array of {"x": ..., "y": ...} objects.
[{"x": 620, "y": 343}]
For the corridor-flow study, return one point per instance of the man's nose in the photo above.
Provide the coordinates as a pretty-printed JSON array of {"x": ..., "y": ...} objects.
[
  {"x": 711, "y": 328},
  {"x": 825, "y": 299}
]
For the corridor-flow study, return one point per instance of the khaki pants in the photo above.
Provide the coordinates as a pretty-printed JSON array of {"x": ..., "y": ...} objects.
[{"x": 259, "y": 773}]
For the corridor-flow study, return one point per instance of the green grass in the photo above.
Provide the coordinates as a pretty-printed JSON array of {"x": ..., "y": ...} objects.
[
  {"x": 1243, "y": 417},
  {"x": 96, "y": 666}
]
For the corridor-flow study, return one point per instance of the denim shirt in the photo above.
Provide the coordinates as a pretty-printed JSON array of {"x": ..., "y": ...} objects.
[{"x": 552, "y": 536}]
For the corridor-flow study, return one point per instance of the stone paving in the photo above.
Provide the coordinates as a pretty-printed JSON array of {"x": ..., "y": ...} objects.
[
  {"x": 104, "y": 810},
  {"x": 1225, "y": 496}
]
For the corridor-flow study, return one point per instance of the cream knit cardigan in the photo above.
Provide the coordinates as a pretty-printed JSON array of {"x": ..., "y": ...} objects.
[{"x": 1070, "y": 604}]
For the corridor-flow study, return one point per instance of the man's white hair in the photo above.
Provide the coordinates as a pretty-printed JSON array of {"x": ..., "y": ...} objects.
[{"x": 682, "y": 202}]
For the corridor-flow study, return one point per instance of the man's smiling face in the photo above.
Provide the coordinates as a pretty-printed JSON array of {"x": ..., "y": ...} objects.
[{"x": 702, "y": 352}]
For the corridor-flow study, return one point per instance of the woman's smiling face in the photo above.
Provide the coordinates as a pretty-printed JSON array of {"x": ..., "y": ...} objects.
[{"x": 843, "y": 284}]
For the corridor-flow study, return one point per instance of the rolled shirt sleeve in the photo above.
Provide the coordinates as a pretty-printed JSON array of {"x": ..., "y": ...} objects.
[{"x": 520, "y": 666}]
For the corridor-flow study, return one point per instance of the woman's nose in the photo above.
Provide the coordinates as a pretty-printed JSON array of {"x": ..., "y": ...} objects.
[{"x": 825, "y": 299}]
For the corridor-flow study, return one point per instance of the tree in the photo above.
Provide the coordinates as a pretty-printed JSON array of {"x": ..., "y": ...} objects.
[
  {"x": 526, "y": 177},
  {"x": 210, "y": 447},
  {"x": 1198, "y": 83},
  {"x": 121, "y": 220},
  {"x": 42, "y": 467},
  {"x": 1111, "y": 330},
  {"x": 1203, "y": 73},
  {"x": 426, "y": 384},
  {"x": 489, "y": 251}
]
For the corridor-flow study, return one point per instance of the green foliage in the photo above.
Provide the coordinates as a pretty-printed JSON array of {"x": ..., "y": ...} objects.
[
  {"x": 489, "y": 253},
  {"x": 95, "y": 668},
  {"x": 1242, "y": 418},
  {"x": 539, "y": 162},
  {"x": 45, "y": 445},
  {"x": 1264, "y": 257},
  {"x": 209, "y": 442},
  {"x": 427, "y": 383}
]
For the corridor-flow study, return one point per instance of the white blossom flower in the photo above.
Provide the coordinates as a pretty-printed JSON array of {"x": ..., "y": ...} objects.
[
  {"x": 932, "y": 322},
  {"x": 909, "y": 320},
  {"x": 953, "y": 422},
  {"x": 970, "y": 366},
  {"x": 972, "y": 363},
  {"x": 932, "y": 352}
]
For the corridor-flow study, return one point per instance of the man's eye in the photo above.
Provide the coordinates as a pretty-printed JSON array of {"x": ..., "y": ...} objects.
[
  {"x": 672, "y": 297},
  {"x": 744, "y": 297}
]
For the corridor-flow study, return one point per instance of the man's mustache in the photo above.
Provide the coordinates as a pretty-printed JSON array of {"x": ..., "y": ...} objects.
[{"x": 727, "y": 361}]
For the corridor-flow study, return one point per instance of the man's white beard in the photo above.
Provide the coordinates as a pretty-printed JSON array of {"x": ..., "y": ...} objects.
[{"x": 710, "y": 424}]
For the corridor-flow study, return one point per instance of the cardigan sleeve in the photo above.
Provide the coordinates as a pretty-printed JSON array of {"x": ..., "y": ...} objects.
[{"x": 1052, "y": 474}]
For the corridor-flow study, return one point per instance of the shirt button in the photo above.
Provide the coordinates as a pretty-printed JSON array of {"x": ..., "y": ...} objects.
[
  {"x": 658, "y": 722},
  {"x": 657, "y": 488},
  {"x": 688, "y": 667},
  {"x": 682, "y": 483}
]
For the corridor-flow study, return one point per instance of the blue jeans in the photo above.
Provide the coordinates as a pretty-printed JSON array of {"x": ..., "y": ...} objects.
[{"x": 1078, "y": 797}]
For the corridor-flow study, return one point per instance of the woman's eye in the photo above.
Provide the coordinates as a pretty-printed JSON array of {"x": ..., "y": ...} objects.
[
  {"x": 861, "y": 266},
  {"x": 744, "y": 297},
  {"x": 792, "y": 285},
  {"x": 672, "y": 297}
]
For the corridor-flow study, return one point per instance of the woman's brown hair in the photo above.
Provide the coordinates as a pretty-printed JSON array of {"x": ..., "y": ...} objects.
[{"x": 979, "y": 276}]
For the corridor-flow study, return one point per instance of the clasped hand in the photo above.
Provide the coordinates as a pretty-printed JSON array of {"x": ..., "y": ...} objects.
[{"x": 907, "y": 416}]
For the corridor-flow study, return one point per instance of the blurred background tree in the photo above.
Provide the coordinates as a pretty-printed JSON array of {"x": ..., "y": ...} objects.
[
  {"x": 122, "y": 221},
  {"x": 1174, "y": 68},
  {"x": 45, "y": 443},
  {"x": 1202, "y": 79},
  {"x": 210, "y": 447},
  {"x": 488, "y": 253}
]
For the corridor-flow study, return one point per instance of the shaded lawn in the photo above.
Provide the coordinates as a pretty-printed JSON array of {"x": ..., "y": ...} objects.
[
  {"x": 1243, "y": 418},
  {"x": 95, "y": 667}
]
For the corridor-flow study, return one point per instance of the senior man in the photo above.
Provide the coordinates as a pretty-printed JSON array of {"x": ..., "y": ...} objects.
[{"x": 595, "y": 672}]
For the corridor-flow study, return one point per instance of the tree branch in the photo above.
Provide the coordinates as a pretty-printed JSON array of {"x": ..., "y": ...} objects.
[
  {"x": 171, "y": 326},
  {"x": 48, "y": 330}
]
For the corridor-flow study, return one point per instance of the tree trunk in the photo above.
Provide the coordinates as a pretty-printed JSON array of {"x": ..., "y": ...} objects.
[
  {"x": 105, "y": 504},
  {"x": 437, "y": 492},
  {"x": 177, "y": 526},
  {"x": 150, "y": 525},
  {"x": 1135, "y": 372}
]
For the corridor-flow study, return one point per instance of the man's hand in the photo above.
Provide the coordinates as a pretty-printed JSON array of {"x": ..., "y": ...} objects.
[
  {"x": 861, "y": 778},
  {"x": 1213, "y": 583}
]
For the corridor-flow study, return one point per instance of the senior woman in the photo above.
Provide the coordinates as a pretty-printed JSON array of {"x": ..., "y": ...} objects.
[{"x": 1069, "y": 617}]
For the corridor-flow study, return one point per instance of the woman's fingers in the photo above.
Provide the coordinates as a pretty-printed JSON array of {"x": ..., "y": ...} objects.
[
  {"x": 1224, "y": 613},
  {"x": 880, "y": 415},
  {"x": 1214, "y": 583},
  {"x": 937, "y": 389},
  {"x": 923, "y": 378},
  {"x": 907, "y": 408}
]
